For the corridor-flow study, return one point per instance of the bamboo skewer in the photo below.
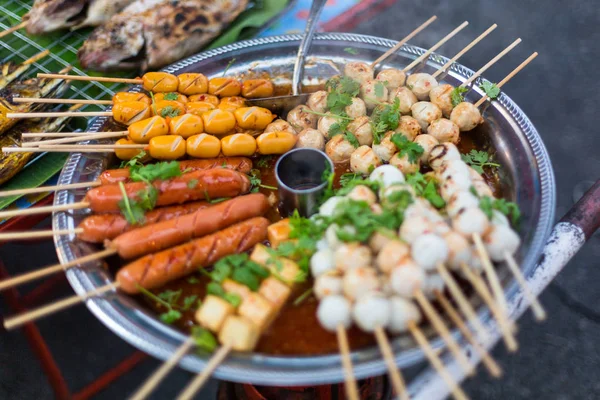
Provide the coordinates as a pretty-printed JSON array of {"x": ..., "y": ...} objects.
[
  {"x": 349, "y": 380},
  {"x": 36, "y": 57},
  {"x": 509, "y": 76},
  {"x": 16, "y": 321},
  {"x": 15, "y": 28},
  {"x": 60, "y": 114},
  {"x": 436, "y": 46},
  {"x": 52, "y": 134},
  {"x": 30, "y": 276},
  {"x": 491, "y": 365},
  {"x": 403, "y": 41},
  {"x": 490, "y": 273},
  {"x": 77, "y": 148},
  {"x": 491, "y": 62},
  {"x": 536, "y": 307},
  {"x": 43, "y": 189},
  {"x": 196, "y": 384},
  {"x": 506, "y": 327},
  {"x": 435, "y": 361},
  {"x": 80, "y": 138},
  {"x": 38, "y": 234},
  {"x": 60, "y": 101},
  {"x": 150, "y": 384},
  {"x": 443, "y": 331},
  {"x": 393, "y": 370},
  {"x": 42, "y": 210},
  {"x": 463, "y": 51},
  {"x": 91, "y": 78}
]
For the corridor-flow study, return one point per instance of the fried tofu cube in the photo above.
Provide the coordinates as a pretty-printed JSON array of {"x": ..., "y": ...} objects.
[
  {"x": 239, "y": 332},
  {"x": 279, "y": 232},
  {"x": 231, "y": 286},
  {"x": 283, "y": 268},
  {"x": 258, "y": 310},
  {"x": 213, "y": 312},
  {"x": 275, "y": 291}
]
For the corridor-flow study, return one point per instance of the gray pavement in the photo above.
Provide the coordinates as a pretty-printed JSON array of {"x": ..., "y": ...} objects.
[{"x": 559, "y": 359}]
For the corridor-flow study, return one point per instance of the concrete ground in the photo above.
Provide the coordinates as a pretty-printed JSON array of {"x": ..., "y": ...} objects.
[{"x": 559, "y": 359}]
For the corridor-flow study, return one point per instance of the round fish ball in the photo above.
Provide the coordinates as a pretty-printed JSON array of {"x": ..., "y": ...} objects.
[
  {"x": 429, "y": 250},
  {"x": 421, "y": 84},
  {"x": 380, "y": 238},
  {"x": 358, "y": 71},
  {"x": 499, "y": 219},
  {"x": 459, "y": 201},
  {"x": 301, "y": 118},
  {"x": 482, "y": 188},
  {"x": 322, "y": 261},
  {"x": 386, "y": 286},
  {"x": 359, "y": 281},
  {"x": 444, "y": 130},
  {"x": 327, "y": 284},
  {"x": 442, "y": 153},
  {"x": 466, "y": 116},
  {"x": 404, "y": 164},
  {"x": 311, "y": 138},
  {"x": 427, "y": 142},
  {"x": 409, "y": 127},
  {"x": 433, "y": 283},
  {"x": 387, "y": 175},
  {"x": 391, "y": 254},
  {"x": 361, "y": 129},
  {"x": 385, "y": 149},
  {"x": 322, "y": 244},
  {"x": 452, "y": 168},
  {"x": 339, "y": 149},
  {"x": 371, "y": 312},
  {"x": 425, "y": 113},
  {"x": 362, "y": 193},
  {"x": 279, "y": 125},
  {"x": 406, "y": 278},
  {"x": 373, "y": 92},
  {"x": 363, "y": 160},
  {"x": 453, "y": 184},
  {"x": 358, "y": 108},
  {"x": 330, "y": 205},
  {"x": 331, "y": 234},
  {"x": 325, "y": 123},
  {"x": 402, "y": 313},
  {"x": 349, "y": 256},
  {"x": 459, "y": 250},
  {"x": 406, "y": 99},
  {"x": 376, "y": 209},
  {"x": 419, "y": 208},
  {"x": 334, "y": 311},
  {"x": 501, "y": 240},
  {"x": 441, "y": 96},
  {"x": 413, "y": 227},
  {"x": 317, "y": 101},
  {"x": 388, "y": 196},
  {"x": 392, "y": 78},
  {"x": 471, "y": 221}
]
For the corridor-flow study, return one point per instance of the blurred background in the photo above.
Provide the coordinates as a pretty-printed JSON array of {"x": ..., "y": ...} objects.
[{"x": 558, "y": 359}]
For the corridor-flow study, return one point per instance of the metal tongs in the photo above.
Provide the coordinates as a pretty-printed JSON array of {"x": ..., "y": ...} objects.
[{"x": 281, "y": 105}]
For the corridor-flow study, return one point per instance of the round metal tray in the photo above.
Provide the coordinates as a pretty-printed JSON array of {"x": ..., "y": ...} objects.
[{"x": 526, "y": 175}]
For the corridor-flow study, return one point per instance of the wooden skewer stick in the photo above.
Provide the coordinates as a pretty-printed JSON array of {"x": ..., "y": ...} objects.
[
  {"x": 42, "y": 210},
  {"x": 464, "y": 305},
  {"x": 509, "y": 76},
  {"x": 196, "y": 384},
  {"x": 491, "y": 365},
  {"x": 38, "y": 234},
  {"x": 505, "y": 325},
  {"x": 349, "y": 380},
  {"x": 15, "y": 28},
  {"x": 52, "y": 134},
  {"x": 80, "y": 138},
  {"x": 443, "y": 331},
  {"x": 14, "y": 322},
  {"x": 90, "y": 78},
  {"x": 435, "y": 361},
  {"x": 59, "y": 101},
  {"x": 388, "y": 357},
  {"x": 490, "y": 272},
  {"x": 43, "y": 189},
  {"x": 60, "y": 114},
  {"x": 77, "y": 148},
  {"x": 403, "y": 41},
  {"x": 436, "y": 46},
  {"x": 30, "y": 276},
  {"x": 37, "y": 57},
  {"x": 536, "y": 307},
  {"x": 491, "y": 62},
  {"x": 154, "y": 380},
  {"x": 463, "y": 51}
]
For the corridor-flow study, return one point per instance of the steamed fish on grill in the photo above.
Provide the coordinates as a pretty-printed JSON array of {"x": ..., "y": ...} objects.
[
  {"x": 151, "y": 34},
  {"x": 51, "y": 15}
]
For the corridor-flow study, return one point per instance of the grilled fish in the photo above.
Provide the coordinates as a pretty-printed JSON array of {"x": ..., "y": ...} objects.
[
  {"x": 10, "y": 71},
  {"x": 149, "y": 34},
  {"x": 50, "y": 15}
]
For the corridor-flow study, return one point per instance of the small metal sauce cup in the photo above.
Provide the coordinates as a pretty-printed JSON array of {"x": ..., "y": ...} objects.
[{"x": 299, "y": 175}]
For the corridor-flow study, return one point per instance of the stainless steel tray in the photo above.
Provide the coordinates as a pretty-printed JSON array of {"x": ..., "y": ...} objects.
[{"x": 526, "y": 175}]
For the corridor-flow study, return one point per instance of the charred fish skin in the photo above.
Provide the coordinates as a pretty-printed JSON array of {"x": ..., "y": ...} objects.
[
  {"x": 101, "y": 11},
  {"x": 50, "y": 15},
  {"x": 160, "y": 33}
]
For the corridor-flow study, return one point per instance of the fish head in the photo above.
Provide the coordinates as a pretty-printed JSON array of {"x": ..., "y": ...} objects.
[{"x": 50, "y": 15}]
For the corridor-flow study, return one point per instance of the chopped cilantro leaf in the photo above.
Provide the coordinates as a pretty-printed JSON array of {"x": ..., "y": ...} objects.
[
  {"x": 264, "y": 161},
  {"x": 491, "y": 90},
  {"x": 170, "y": 111},
  {"x": 379, "y": 89},
  {"x": 478, "y": 159},
  {"x": 352, "y": 139},
  {"x": 170, "y": 316},
  {"x": 511, "y": 210},
  {"x": 406, "y": 147},
  {"x": 457, "y": 95},
  {"x": 157, "y": 171},
  {"x": 385, "y": 118},
  {"x": 192, "y": 183},
  {"x": 171, "y": 96},
  {"x": 189, "y": 301},
  {"x": 204, "y": 339},
  {"x": 351, "y": 50}
]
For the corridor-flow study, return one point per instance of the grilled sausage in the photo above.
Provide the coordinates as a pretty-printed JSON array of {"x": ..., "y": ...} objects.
[
  {"x": 155, "y": 237},
  {"x": 240, "y": 164},
  {"x": 100, "y": 227},
  {"x": 197, "y": 185},
  {"x": 155, "y": 270}
]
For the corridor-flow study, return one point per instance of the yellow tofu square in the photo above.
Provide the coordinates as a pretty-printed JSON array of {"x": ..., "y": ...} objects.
[
  {"x": 231, "y": 286},
  {"x": 279, "y": 232},
  {"x": 283, "y": 268},
  {"x": 213, "y": 312},
  {"x": 275, "y": 291},
  {"x": 258, "y": 310},
  {"x": 240, "y": 333}
]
